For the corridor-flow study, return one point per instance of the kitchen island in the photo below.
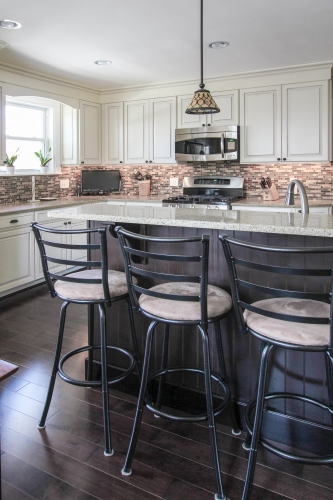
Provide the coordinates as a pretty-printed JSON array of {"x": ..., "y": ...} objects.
[{"x": 241, "y": 352}]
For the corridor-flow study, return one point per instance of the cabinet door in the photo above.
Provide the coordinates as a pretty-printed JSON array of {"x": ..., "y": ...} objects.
[
  {"x": 260, "y": 122},
  {"x": 90, "y": 133},
  {"x": 2, "y": 127},
  {"x": 305, "y": 121},
  {"x": 69, "y": 128},
  {"x": 228, "y": 104},
  {"x": 136, "y": 131},
  {"x": 17, "y": 258},
  {"x": 113, "y": 134},
  {"x": 80, "y": 239},
  {"x": 162, "y": 113},
  {"x": 57, "y": 253},
  {"x": 184, "y": 120}
]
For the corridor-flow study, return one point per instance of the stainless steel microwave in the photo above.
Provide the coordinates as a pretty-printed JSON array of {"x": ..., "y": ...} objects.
[{"x": 211, "y": 144}]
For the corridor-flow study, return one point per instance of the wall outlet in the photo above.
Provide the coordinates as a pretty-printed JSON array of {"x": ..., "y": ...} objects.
[
  {"x": 174, "y": 181},
  {"x": 64, "y": 183}
]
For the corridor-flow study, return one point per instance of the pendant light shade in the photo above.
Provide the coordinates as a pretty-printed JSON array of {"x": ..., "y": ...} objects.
[{"x": 202, "y": 102}]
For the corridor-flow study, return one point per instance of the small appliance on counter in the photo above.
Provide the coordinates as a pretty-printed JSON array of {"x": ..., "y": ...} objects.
[
  {"x": 216, "y": 144},
  {"x": 270, "y": 192},
  {"x": 100, "y": 182},
  {"x": 208, "y": 191}
]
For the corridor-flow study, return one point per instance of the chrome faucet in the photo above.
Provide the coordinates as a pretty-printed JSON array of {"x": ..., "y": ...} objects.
[{"x": 290, "y": 195}]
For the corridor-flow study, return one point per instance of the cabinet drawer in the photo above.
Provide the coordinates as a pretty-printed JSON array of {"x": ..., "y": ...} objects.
[
  {"x": 42, "y": 218},
  {"x": 16, "y": 220}
]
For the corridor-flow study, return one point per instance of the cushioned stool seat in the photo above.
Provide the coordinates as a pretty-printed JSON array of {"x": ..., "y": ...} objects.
[
  {"x": 87, "y": 291},
  {"x": 219, "y": 302},
  {"x": 288, "y": 331}
]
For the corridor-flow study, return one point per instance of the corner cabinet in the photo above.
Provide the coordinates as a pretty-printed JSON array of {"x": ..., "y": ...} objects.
[
  {"x": 227, "y": 101},
  {"x": 90, "y": 133},
  {"x": 286, "y": 123},
  {"x": 149, "y": 127},
  {"x": 113, "y": 133}
]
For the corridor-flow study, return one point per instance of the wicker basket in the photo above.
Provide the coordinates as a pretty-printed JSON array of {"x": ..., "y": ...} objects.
[{"x": 144, "y": 188}]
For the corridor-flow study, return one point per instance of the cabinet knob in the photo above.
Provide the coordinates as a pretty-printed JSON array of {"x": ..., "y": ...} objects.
[
  {"x": 150, "y": 161},
  {"x": 203, "y": 124},
  {"x": 208, "y": 125},
  {"x": 146, "y": 161},
  {"x": 69, "y": 222},
  {"x": 120, "y": 162},
  {"x": 284, "y": 159},
  {"x": 278, "y": 159},
  {"x": 13, "y": 221},
  {"x": 82, "y": 162},
  {"x": 65, "y": 223}
]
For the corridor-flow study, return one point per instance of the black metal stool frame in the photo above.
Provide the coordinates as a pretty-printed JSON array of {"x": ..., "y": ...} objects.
[
  {"x": 125, "y": 238},
  {"x": 256, "y": 405},
  {"x": 58, "y": 362}
]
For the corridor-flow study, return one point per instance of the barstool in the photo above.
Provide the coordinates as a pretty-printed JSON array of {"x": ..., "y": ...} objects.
[
  {"x": 289, "y": 319},
  {"x": 184, "y": 298},
  {"x": 98, "y": 286}
]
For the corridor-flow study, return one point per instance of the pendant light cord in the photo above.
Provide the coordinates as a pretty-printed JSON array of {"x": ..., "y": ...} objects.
[{"x": 202, "y": 85}]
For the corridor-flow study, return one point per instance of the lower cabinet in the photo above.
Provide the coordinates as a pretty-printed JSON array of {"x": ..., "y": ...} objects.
[{"x": 257, "y": 208}]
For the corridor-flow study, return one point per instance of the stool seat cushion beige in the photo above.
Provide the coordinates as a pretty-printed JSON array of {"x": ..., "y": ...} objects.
[
  {"x": 288, "y": 331},
  {"x": 83, "y": 291},
  {"x": 218, "y": 302}
]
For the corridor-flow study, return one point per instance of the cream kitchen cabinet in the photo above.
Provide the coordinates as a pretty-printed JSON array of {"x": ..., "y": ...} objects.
[
  {"x": 17, "y": 252},
  {"x": 149, "y": 127},
  {"x": 113, "y": 133},
  {"x": 227, "y": 101},
  {"x": 69, "y": 135},
  {"x": 285, "y": 123},
  {"x": 90, "y": 133},
  {"x": 2, "y": 127},
  {"x": 284, "y": 209}
]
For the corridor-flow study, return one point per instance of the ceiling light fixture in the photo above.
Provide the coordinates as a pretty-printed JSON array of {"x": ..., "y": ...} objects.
[
  {"x": 102, "y": 62},
  {"x": 202, "y": 102},
  {"x": 9, "y": 25},
  {"x": 218, "y": 45}
]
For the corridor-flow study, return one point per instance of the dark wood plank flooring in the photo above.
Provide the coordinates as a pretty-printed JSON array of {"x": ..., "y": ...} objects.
[{"x": 66, "y": 460}]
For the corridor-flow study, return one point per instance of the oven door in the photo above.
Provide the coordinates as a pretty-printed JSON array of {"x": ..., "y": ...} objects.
[{"x": 198, "y": 145}]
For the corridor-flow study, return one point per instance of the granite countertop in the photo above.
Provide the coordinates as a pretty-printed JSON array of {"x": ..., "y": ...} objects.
[
  {"x": 231, "y": 220},
  {"x": 255, "y": 202}
]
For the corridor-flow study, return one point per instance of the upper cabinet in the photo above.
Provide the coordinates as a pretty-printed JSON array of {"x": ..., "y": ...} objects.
[
  {"x": 149, "y": 128},
  {"x": 285, "y": 123},
  {"x": 90, "y": 133},
  {"x": 227, "y": 101},
  {"x": 69, "y": 128},
  {"x": 2, "y": 128},
  {"x": 113, "y": 133}
]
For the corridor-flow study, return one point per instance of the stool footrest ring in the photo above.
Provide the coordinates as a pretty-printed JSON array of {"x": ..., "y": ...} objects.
[
  {"x": 192, "y": 418},
  {"x": 317, "y": 460},
  {"x": 95, "y": 383}
]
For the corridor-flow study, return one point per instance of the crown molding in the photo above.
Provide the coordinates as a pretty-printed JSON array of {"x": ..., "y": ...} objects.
[
  {"x": 44, "y": 77},
  {"x": 230, "y": 76}
]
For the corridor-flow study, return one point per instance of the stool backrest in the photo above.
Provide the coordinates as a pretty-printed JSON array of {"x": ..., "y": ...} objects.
[
  {"x": 46, "y": 241},
  {"x": 292, "y": 272},
  {"x": 182, "y": 260}
]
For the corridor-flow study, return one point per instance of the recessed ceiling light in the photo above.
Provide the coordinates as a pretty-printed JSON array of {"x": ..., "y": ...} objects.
[
  {"x": 9, "y": 25},
  {"x": 218, "y": 45},
  {"x": 102, "y": 62}
]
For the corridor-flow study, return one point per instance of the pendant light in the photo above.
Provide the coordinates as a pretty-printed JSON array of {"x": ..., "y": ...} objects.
[{"x": 202, "y": 102}]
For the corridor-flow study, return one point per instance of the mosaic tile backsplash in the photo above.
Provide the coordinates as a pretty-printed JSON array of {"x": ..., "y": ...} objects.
[{"x": 317, "y": 178}]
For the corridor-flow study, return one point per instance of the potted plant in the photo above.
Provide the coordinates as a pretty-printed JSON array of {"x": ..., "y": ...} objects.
[
  {"x": 9, "y": 162},
  {"x": 144, "y": 182},
  {"x": 44, "y": 160}
]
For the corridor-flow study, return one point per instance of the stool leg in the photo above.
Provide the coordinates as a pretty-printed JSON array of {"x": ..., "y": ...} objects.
[
  {"x": 329, "y": 374},
  {"x": 108, "y": 451},
  {"x": 126, "y": 470},
  {"x": 91, "y": 318},
  {"x": 165, "y": 350},
  {"x": 210, "y": 413},
  {"x": 54, "y": 372},
  {"x": 133, "y": 337},
  {"x": 235, "y": 427},
  {"x": 257, "y": 420}
]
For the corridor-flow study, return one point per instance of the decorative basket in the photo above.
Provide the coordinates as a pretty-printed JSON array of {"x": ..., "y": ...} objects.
[{"x": 144, "y": 188}]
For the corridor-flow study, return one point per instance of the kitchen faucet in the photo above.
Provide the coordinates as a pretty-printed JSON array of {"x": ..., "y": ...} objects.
[{"x": 290, "y": 195}]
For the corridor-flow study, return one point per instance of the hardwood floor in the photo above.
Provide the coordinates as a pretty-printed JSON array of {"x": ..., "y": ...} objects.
[{"x": 66, "y": 460}]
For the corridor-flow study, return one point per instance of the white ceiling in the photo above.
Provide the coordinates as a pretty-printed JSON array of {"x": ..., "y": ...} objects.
[{"x": 154, "y": 41}]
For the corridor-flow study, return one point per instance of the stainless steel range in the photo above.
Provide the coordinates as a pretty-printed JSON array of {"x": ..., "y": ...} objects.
[{"x": 208, "y": 191}]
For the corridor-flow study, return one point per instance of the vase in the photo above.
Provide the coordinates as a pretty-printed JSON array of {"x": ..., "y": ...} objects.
[
  {"x": 43, "y": 169},
  {"x": 10, "y": 169},
  {"x": 144, "y": 188}
]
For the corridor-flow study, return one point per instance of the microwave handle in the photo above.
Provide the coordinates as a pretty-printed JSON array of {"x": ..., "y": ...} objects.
[{"x": 222, "y": 144}]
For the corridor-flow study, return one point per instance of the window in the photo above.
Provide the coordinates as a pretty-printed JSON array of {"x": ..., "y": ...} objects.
[{"x": 26, "y": 131}]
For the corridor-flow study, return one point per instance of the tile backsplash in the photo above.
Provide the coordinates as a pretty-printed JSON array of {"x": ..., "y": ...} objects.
[{"x": 317, "y": 178}]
